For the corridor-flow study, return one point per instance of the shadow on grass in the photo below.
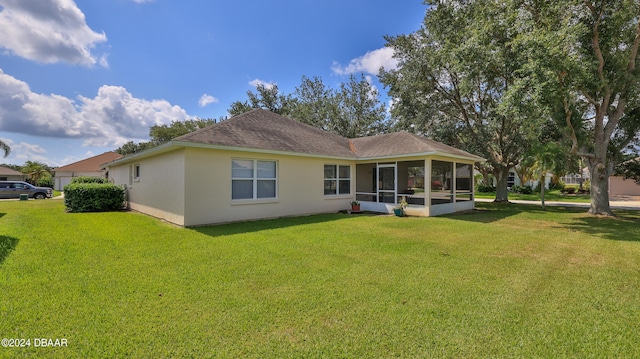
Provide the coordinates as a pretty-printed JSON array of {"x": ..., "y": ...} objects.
[
  {"x": 267, "y": 224},
  {"x": 625, "y": 226},
  {"x": 486, "y": 212},
  {"x": 7, "y": 245}
]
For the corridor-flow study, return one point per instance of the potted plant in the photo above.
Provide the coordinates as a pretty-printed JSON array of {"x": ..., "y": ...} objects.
[
  {"x": 355, "y": 206},
  {"x": 399, "y": 210}
]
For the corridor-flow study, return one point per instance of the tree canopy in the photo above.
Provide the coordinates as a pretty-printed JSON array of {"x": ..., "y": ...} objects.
[
  {"x": 484, "y": 74},
  {"x": 160, "y": 134},
  {"x": 456, "y": 82},
  {"x": 352, "y": 110},
  {"x": 582, "y": 57}
]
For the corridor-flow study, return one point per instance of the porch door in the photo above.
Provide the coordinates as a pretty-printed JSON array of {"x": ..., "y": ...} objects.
[{"x": 387, "y": 183}]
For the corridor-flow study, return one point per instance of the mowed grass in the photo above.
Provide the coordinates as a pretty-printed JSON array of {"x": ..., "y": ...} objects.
[
  {"x": 553, "y": 195},
  {"x": 504, "y": 281}
]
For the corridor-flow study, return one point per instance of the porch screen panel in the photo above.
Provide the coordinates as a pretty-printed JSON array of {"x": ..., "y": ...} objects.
[
  {"x": 441, "y": 182},
  {"x": 386, "y": 184},
  {"x": 464, "y": 184}
]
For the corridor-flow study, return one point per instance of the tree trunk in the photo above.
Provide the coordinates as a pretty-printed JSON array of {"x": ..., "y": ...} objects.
[
  {"x": 542, "y": 188},
  {"x": 502, "y": 193},
  {"x": 599, "y": 188}
]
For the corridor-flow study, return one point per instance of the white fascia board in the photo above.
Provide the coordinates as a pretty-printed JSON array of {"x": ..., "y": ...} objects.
[{"x": 165, "y": 147}]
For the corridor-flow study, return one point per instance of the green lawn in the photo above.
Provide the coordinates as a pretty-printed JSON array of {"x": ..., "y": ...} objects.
[
  {"x": 553, "y": 195},
  {"x": 504, "y": 281}
]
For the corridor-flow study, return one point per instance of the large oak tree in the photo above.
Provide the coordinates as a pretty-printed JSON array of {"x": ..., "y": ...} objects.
[
  {"x": 583, "y": 60},
  {"x": 456, "y": 82}
]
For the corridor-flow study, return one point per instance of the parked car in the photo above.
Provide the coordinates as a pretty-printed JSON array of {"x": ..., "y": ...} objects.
[{"x": 13, "y": 189}]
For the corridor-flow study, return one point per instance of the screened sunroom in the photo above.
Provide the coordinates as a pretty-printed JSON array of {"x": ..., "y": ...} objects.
[{"x": 430, "y": 186}]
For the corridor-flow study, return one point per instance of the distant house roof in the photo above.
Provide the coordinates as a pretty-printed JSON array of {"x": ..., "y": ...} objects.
[
  {"x": 92, "y": 164},
  {"x": 5, "y": 171},
  {"x": 264, "y": 130}
]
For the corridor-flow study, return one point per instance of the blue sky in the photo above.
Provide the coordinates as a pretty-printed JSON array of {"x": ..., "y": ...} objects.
[{"x": 81, "y": 78}]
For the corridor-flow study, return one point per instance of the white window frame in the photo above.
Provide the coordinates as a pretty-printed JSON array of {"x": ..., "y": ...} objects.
[
  {"x": 136, "y": 172},
  {"x": 255, "y": 179},
  {"x": 337, "y": 179}
]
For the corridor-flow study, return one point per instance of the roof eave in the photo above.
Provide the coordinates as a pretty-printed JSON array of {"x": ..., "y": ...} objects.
[
  {"x": 165, "y": 147},
  {"x": 174, "y": 145},
  {"x": 424, "y": 154},
  {"x": 261, "y": 150}
]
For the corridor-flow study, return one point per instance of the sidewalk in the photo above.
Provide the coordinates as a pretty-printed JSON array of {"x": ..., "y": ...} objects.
[{"x": 632, "y": 203}]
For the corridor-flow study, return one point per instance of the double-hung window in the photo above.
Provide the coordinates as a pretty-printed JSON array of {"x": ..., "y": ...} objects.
[
  {"x": 253, "y": 179},
  {"x": 337, "y": 179}
]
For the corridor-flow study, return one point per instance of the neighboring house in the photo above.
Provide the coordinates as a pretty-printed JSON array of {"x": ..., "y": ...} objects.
[
  {"x": 90, "y": 167},
  {"x": 618, "y": 186},
  {"x": 263, "y": 165},
  {"x": 7, "y": 174},
  {"x": 514, "y": 180}
]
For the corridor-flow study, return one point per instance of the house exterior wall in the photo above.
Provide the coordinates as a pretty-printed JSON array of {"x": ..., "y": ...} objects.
[
  {"x": 159, "y": 190},
  {"x": 300, "y": 188},
  {"x": 618, "y": 186},
  {"x": 11, "y": 178}
]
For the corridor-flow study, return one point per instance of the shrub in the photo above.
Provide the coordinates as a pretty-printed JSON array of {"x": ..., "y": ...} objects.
[
  {"x": 558, "y": 185},
  {"x": 522, "y": 189},
  {"x": 45, "y": 182},
  {"x": 485, "y": 188},
  {"x": 93, "y": 197},
  {"x": 87, "y": 179}
]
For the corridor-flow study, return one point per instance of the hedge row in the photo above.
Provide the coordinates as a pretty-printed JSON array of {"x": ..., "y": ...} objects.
[
  {"x": 93, "y": 197},
  {"x": 87, "y": 179}
]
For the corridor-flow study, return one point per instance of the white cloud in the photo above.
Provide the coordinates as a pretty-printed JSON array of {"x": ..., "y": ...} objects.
[
  {"x": 371, "y": 62},
  {"x": 258, "y": 82},
  {"x": 143, "y": 1},
  {"x": 111, "y": 118},
  {"x": 206, "y": 100},
  {"x": 114, "y": 116},
  {"x": 22, "y": 152},
  {"x": 48, "y": 31}
]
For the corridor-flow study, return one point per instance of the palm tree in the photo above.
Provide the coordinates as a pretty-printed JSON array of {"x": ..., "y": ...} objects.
[
  {"x": 35, "y": 170},
  {"x": 547, "y": 158},
  {"x": 4, "y": 147}
]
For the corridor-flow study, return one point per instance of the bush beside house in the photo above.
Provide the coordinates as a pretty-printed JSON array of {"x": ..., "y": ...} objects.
[{"x": 93, "y": 196}]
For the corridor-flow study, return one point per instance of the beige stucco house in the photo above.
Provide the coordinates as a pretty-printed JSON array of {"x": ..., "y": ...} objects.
[
  {"x": 8, "y": 174},
  {"x": 90, "y": 167},
  {"x": 263, "y": 165}
]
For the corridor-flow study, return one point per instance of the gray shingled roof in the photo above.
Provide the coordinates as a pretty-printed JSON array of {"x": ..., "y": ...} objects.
[
  {"x": 262, "y": 129},
  {"x": 402, "y": 143},
  {"x": 265, "y": 130},
  {"x": 9, "y": 172}
]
